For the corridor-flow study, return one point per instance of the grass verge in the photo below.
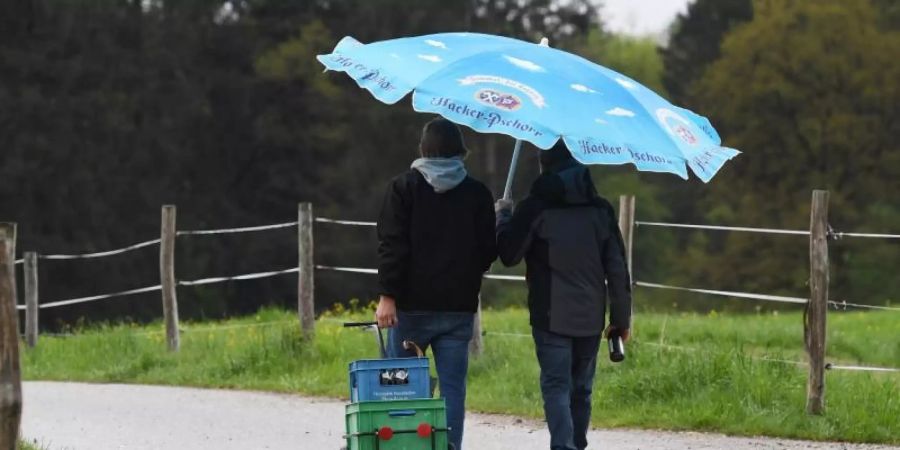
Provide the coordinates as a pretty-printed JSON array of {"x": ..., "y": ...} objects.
[
  {"x": 683, "y": 372},
  {"x": 30, "y": 445}
]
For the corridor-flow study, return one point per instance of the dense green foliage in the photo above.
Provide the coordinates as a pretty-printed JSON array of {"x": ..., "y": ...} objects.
[
  {"x": 813, "y": 90},
  {"x": 684, "y": 371},
  {"x": 696, "y": 40},
  {"x": 109, "y": 109}
]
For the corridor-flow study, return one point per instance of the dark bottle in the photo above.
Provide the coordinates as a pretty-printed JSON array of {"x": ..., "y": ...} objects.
[{"x": 616, "y": 347}]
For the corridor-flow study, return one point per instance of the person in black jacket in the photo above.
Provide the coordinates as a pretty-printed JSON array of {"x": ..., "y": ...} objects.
[
  {"x": 575, "y": 260},
  {"x": 436, "y": 239}
]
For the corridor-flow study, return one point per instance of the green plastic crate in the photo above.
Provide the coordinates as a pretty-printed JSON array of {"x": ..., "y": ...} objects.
[{"x": 404, "y": 418}]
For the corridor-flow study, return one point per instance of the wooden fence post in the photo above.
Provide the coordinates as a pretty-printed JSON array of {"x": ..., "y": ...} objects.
[
  {"x": 307, "y": 269},
  {"x": 10, "y": 375},
  {"x": 167, "y": 276},
  {"x": 31, "y": 299},
  {"x": 817, "y": 307},
  {"x": 476, "y": 345},
  {"x": 626, "y": 224}
]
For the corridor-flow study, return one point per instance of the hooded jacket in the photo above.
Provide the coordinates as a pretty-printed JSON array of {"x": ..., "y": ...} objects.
[
  {"x": 434, "y": 247},
  {"x": 573, "y": 250},
  {"x": 442, "y": 174}
]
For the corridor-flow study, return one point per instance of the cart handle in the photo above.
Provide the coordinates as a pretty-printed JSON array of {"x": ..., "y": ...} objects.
[
  {"x": 360, "y": 324},
  {"x": 381, "y": 344}
]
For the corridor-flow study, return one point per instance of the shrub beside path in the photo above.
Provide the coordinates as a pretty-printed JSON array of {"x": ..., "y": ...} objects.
[{"x": 79, "y": 416}]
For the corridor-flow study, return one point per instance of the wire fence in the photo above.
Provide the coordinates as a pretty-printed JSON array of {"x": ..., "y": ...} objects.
[
  {"x": 156, "y": 242},
  {"x": 837, "y": 304},
  {"x": 734, "y": 294},
  {"x": 832, "y": 233}
]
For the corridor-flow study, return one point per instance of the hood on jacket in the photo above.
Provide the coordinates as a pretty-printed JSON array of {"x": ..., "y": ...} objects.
[
  {"x": 443, "y": 174},
  {"x": 569, "y": 184}
]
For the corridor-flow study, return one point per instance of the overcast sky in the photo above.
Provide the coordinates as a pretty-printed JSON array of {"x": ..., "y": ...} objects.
[{"x": 641, "y": 16}]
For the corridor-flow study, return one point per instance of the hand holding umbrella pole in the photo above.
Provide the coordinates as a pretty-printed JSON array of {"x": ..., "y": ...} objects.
[{"x": 507, "y": 191}]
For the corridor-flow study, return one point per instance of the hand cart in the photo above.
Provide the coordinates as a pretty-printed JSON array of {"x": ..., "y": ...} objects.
[{"x": 390, "y": 403}]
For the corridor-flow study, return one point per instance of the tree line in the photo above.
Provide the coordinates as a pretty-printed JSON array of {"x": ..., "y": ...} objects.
[{"x": 111, "y": 108}]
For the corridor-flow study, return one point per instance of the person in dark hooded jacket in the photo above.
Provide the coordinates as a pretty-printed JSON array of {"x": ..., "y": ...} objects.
[
  {"x": 436, "y": 240},
  {"x": 572, "y": 247}
]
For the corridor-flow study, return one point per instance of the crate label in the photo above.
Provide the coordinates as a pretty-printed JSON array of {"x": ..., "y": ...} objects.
[
  {"x": 394, "y": 377},
  {"x": 394, "y": 394}
]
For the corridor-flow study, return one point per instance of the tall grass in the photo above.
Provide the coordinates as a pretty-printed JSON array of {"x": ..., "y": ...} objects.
[
  {"x": 30, "y": 445},
  {"x": 683, "y": 372}
]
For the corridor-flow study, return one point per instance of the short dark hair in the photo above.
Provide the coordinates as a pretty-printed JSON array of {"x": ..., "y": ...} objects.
[
  {"x": 557, "y": 155},
  {"x": 442, "y": 138}
]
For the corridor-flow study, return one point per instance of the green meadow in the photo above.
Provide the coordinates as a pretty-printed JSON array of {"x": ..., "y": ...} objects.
[{"x": 707, "y": 372}]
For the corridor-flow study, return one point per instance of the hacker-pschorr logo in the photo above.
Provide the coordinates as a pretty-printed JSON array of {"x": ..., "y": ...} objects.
[
  {"x": 677, "y": 125},
  {"x": 497, "y": 99}
]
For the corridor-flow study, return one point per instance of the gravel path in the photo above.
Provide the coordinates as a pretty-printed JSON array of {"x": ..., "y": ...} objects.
[{"x": 108, "y": 416}]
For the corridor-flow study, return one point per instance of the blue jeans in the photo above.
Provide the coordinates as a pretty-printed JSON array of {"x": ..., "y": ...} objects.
[
  {"x": 448, "y": 334},
  {"x": 567, "y": 376}
]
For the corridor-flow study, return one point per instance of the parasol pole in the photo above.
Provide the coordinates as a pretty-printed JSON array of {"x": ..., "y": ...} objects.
[{"x": 507, "y": 191}]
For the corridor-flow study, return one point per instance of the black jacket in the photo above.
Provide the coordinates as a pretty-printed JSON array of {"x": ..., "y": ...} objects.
[
  {"x": 434, "y": 248},
  {"x": 574, "y": 253}
]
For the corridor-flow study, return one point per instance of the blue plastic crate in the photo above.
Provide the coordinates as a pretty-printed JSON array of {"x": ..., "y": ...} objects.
[{"x": 389, "y": 379}]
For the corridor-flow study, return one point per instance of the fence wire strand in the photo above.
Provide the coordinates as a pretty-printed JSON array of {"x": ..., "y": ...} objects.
[
  {"x": 237, "y": 230},
  {"x": 249, "y": 276},
  {"x": 505, "y": 277},
  {"x": 354, "y": 223},
  {"x": 722, "y": 228},
  {"x": 843, "y": 304},
  {"x": 347, "y": 269},
  {"x": 102, "y": 254},
  {"x": 841, "y": 234},
  {"x": 99, "y": 297},
  {"x": 763, "y": 297},
  {"x": 836, "y": 234},
  {"x": 831, "y": 366}
]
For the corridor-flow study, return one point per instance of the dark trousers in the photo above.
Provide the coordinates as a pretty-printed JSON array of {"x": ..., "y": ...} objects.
[
  {"x": 567, "y": 376},
  {"x": 448, "y": 334}
]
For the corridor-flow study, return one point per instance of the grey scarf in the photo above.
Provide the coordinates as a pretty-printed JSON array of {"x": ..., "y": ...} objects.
[{"x": 442, "y": 174}]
